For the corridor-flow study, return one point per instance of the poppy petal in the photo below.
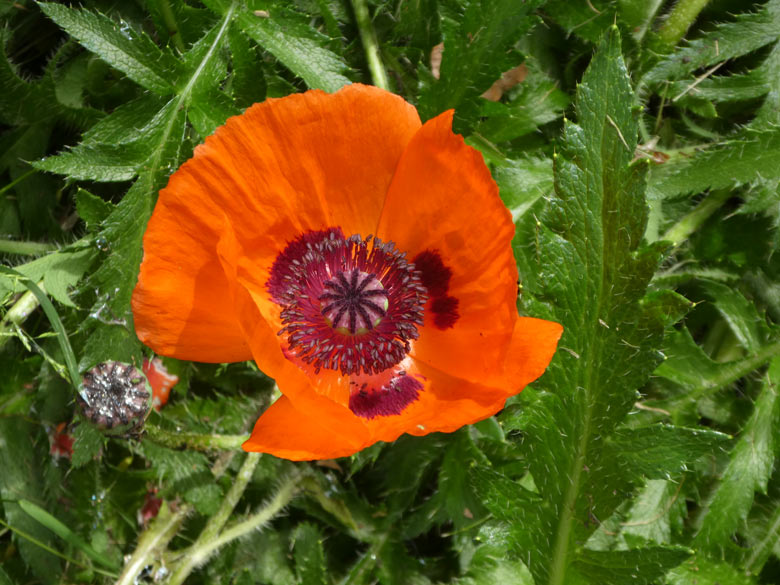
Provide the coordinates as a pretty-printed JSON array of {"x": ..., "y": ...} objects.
[
  {"x": 531, "y": 349},
  {"x": 180, "y": 303},
  {"x": 277, "y": 171},
  {"x": 443, "y": 208},
  {"x": 445, "y": 404},
  {"x": 300, "y": 435}
]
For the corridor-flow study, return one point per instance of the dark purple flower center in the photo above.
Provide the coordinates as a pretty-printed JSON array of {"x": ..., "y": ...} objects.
[
  {"x": 348, "y": 304},
  {"x": 354, "y": 302}
]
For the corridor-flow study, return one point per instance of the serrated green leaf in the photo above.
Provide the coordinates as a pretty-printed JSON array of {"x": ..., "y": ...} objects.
[
  {"x": 739, "y": 161},
  {"x": 489, "y": 566},
  {"x": 58, "y": 270},
  {"x": 296, "y": 45},
  {"x": 524, "y": 512},
  {"x": 478, "y": 47},
  {"x": 740, "y": 314},
  {"x": 209, "y": 106},
  {"x": 128, "y": 51},
  {"x": 637, "y": 566},
  {"x": 522, "y": 182},
  {"x": 686, "y": 363},
  {"x": 91, "y": 208},
  {"x": 87, "y": 443},
  {"x": 128, "y": 123},
  {"x": 763, "y": 534},
  {"x": 70, "y": 373},
  {"x": 748, "y": 471},
  {"x": 538, "y": 102},
  {"x": 591, "y": 276},
  {"x": 747, "y": 33},
  {"x": 121, "y": 161},
  {"x": 309, "y": 555},
  {"x": 655, "y": 512},
  {"x": 209, "y": 110},
  {"x": 461, "y": 502},
  {"x": 659, "y": 451},
  {"x": 248, "y": 79},
  {"x": 20, "y": 101},
  {"x": 585, "y": 19},
  {"x": 186, "y": 473},
  {"x": 397, "y": 567},
  {"x": 727, "y": 88}
]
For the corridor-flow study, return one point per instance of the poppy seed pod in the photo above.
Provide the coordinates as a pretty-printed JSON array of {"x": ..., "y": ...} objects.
[{"x": 115, "y": 397}]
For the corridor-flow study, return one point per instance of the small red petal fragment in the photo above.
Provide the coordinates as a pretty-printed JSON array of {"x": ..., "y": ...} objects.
[
  {"x": 150, "y": 509},
  {"x": 160, "y": 380},
  {"x": 61, "y": 442}
]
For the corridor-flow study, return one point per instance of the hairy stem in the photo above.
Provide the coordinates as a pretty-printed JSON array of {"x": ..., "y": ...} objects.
[
  {"x": 170, "y": 22},
  {"x": 25, "y": 248},
  {"x": 215, "y": 524},
  {"x": 677, "y": 24},
  {"x": 199, "y": 552},
  {"x": 199, "y": 442},
  {"x": 153, "y": 541},
  {"x": 17, "y": 314},
  {"x": 370, "y": 45},
  {"x": 682, "y": 230}
]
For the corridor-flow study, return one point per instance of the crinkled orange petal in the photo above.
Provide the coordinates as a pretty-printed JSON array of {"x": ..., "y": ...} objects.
[
  {"x": 304, "y": 429},
  {"x": 445, "y": 404},
  {"x": 286, "y": 166},
  {"x": 443, "y": 199},
  {"x": 313, "y": 427},
  {"x": 180, "y": 303},
  {"x": 286, "y": 432},
  {"x": 530, "y": 351}
]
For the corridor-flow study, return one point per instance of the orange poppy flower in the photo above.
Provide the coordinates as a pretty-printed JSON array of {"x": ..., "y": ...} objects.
[{"x": 361, "y": 258}]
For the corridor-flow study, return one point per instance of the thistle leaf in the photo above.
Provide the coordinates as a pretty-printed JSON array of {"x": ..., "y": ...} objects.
[
  {"x": 133, "y": 53},
  {"x": 288, "y": 38},
  {"x": 592, "y": 276},
  {"x": 749, "y": 468},
  {"x": 478, "y": 36}
]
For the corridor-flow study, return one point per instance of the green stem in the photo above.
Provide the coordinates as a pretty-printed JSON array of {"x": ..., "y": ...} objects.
[
  {"x": 170, "y": 22},
  {"x": 54, "y": 320},
  {"x": 368, "y": 38},
  {"x": 335, "y": 507},
  {"x": 25, "y": 248},
  {"x": 676, "y": 25},
  {"x": 199, "y": 442},
  {"x": 215, "y": 524},
  {"x": 16, "y": 181},
  {"x": 198, "y": 553},
  {"x": 153, "y": 541},
  {"x": 683, "y": 229},
  {"x": 17, "y": 314}
]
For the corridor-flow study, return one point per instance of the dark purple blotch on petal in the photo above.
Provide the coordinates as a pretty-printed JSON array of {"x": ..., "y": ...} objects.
[
  {"x": 389, "y": 400},
  {"x": 435, "y": 275}
]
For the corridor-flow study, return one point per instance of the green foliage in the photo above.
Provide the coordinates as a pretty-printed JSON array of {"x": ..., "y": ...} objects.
[
  {"x": 478, "y": 39},
  {"x": 645, "y": 454}
]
